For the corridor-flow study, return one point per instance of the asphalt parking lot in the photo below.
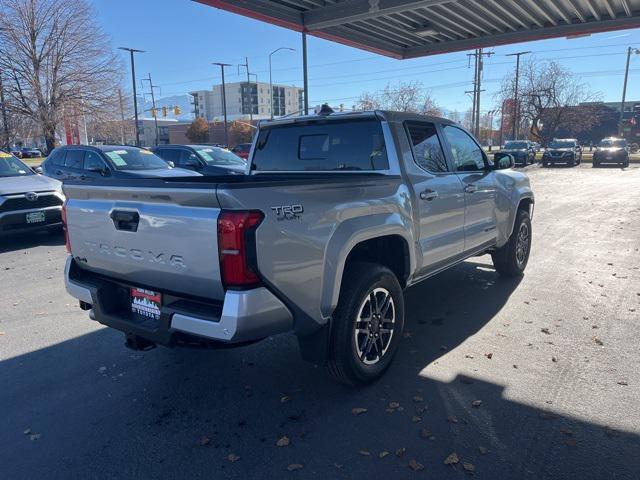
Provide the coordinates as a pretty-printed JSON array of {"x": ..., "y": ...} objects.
[{"x": 537, "y": 378}]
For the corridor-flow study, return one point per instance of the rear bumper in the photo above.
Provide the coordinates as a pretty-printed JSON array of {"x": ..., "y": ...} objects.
[{"x": 243, "y": 316}]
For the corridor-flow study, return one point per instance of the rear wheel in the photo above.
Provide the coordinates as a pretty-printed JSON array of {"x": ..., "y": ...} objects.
[
  {"x": 367, "y": 324},
  {"x": 511, "y": 259}
]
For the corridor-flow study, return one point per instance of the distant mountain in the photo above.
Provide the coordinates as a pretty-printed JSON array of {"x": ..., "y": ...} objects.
[{"x": 183, "y": 101}]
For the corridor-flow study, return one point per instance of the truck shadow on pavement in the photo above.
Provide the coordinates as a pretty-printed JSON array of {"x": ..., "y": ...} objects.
[
  {"x": 12, "y": 243},
  {"x": 91, "y": 408}
]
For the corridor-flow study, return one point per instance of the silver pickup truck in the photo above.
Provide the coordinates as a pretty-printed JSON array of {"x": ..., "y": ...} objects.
[{"x": 336, "y": 215}]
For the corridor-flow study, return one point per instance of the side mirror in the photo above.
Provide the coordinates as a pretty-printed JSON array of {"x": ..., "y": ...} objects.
[
  {"x": 170, "y": 163},
  {"x": 101, "y": 170},
  {"x": 38, "y": 170},
  {"x": 505, "y": 162}
]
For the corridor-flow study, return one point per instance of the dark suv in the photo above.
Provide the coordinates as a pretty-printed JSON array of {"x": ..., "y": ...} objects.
[
  {"x": 611, "y": 150},
  {"x": 205, "y": 159},
  {"x": 83, "y": 162},
  {"x": 563, "y": 150}
]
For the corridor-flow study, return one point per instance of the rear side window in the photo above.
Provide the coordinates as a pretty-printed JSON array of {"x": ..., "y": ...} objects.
[
  {"x": 427, "y": 150},
  {"x": 74, "y": 159},
  {"x": 56, "y": 158},
  {"x": 323, "y": 146}
]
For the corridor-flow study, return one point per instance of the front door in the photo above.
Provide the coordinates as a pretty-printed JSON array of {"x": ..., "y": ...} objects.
[
  {"x": 478, "y": 181},
  {"x": 438, "y": 196}
]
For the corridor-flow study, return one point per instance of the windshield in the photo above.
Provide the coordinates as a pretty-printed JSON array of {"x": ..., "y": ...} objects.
[
  {"x": 220, "y": 156},
  {"x": 516, "y": 145},
  {"x": 561, "y": 144},
  {"x": 10, "y": 166},
  {"x": 127, "y": 158},
  {"x": 613, "y": 144}
]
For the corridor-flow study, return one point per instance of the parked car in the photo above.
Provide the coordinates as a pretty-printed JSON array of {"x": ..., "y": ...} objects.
[
  {"x": 89, "y": 163},
  {"x": 28, "y": 201},
  {"x": 522, "y": 152},
  {"x": 338, "y": 215},
  {"x": 562, "y": 150},
  {"x": 205, "y": 159},
  {"x": 31, "y": 153},
  {"x": 242, "y": 150},
  {"x": 611, "y": 150},
  {"x": 16, "y": 152}
]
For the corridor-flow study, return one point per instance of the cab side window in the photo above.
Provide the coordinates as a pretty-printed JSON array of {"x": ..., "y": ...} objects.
[
  {"x": 171, "y": 155},
  {"x": 74, "y": 159},
  {"x": 188, "y": 159},
  {"x": 465, "y": 152},
  {"x": 92, "y": 161},
  {"x": 427, "y": 150},
  {"x": 56, "y": 158}
]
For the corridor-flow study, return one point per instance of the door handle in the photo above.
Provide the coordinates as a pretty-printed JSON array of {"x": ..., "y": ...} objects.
[
  {"x": 58, "y": 172},
  {"x": 470, "y": 189},
  {"x": 428, "y": 194}
]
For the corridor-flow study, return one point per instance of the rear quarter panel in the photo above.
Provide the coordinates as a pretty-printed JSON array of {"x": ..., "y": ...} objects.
[{"x": 303, "y": 257}]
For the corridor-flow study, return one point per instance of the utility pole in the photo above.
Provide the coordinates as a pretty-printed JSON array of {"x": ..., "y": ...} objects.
[
  {"x": 122, "y": 140},
  {"x": 5, "y": 122},
  {"x": 516, "y": 103},
  {"x": 224, "y": 101},
  {"x": 135, "y": 94},
  {"x": 153, "y": 105},
  {"x": 630, "y": 50},
  {"x": 246, "y": 65},
  {"x": 479, "y": 55}
]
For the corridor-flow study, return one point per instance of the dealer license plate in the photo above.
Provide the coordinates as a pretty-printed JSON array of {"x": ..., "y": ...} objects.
[
  {"x": 145, "y": 303},
  {"x": 35, "y": 217}
]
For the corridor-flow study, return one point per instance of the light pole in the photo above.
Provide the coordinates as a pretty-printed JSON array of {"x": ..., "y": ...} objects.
[
  {"x": 516, "y": 108},
  {"x": 5, "y": 122},
  {"x": 224, "y": 101},
  {"x": 270, "y": 76},
  {"x": 135, "y": 94},
  {"x": 630, "y": 50}
]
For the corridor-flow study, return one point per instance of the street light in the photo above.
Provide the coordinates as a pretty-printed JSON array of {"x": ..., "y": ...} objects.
[
  {"x": 270, "y": 77},
  {"x": 224, "y": 101},
  {"x": 135, "y": 94},
  {"x": 630, "y": 50}
]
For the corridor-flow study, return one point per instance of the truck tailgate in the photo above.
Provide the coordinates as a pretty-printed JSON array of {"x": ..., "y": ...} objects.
[{"x": 163, "y": 238}]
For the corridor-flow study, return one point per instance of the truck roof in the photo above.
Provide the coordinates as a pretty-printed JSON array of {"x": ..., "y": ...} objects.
[{"x": 389, "y": 115}]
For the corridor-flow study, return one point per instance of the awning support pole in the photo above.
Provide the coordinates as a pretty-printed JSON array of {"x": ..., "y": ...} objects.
[{"x": 305, "y": 73}]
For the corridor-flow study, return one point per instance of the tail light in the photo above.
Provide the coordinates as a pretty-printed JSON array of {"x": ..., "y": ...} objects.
[
  {"x": 237, "y": 247},
  {"x": 65, "y": 229}
]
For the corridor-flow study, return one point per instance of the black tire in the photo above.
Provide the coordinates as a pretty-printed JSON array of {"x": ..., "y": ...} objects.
[
  {"x": 571, "y": 163},
  {"x": 625, "y": 164},
  {"x": 594, "y": 165},
  {"x": 344, "y": 361},
  {"x": 509, "y": 260},
  {"x": 544, "y": 164}
]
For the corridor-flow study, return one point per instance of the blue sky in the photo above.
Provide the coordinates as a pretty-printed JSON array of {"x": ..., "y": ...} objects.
[{"x": 182, "y": 38}]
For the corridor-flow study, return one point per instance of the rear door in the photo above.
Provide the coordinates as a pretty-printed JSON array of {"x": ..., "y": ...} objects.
[
  {"x": 440, "y": 197},
  {"x": 478, "y": 180},
  {"x": 73, "y": 162}
]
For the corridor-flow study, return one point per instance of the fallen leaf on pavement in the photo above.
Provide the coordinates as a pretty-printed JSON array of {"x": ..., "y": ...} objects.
[
  {"x": 598, "y": 341},
  {"x": 623, "y": 382},
  {"x": 476, "y": 403},
  {"x": 415, "y": 465},
  {"x": 383, "y": 454},
  {"x": 400, "y": 452},
  {"x": 545, "y": 330},
  {"x": 483, "y": 450},
  {"x": 204, "y": 440},
  {"x": 554, "y": 359},
  {"x": 452, "y": 459},
  {"x": 416, "y": 419},
  {"x": 358, "y": 410},
  {"x": 283, "y": 442},
  {"x": 366, "y": 453},
  {"x": 469, "y": 467},
  {"x": 232, "y": 457},
  {"x": 295, "y": 466},
  {"x": 285, "y": 399},
  {"x": 488, "y": 355}
]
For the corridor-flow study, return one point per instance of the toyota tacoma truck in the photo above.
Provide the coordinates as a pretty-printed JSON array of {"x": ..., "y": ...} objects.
[{"x": 336, "y": 215}]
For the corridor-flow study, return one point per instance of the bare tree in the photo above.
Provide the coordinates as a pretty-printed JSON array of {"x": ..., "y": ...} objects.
[
  {"x": 549, "y": 98},
  {"x": 59, "y": 65},
  {"x": 403, "y": 97}
]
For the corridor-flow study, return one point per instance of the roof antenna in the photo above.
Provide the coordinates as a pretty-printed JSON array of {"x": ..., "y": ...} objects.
[{"x": 325, "y": 109}]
